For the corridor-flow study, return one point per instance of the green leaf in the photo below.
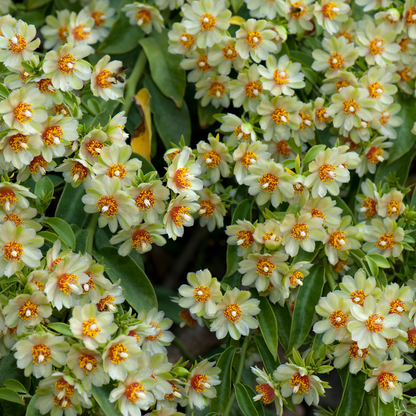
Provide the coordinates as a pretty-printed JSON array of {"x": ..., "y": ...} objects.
[
  {"x": 44, "y": 191},
  {"x": 81, "y": 237},
  {"x": 146, "y": 165},
  {"x": 353, "y": 395},
  {"x": 382, "y": 279},
  {"x": 245, "y": 396},
  {"x": 206, "y": 115},
  {"x": 70, "y": 207},
  {"x": 268, "y": 325},
  {"x": 311, "y": 154},
  {"x": 4, "y": 92},
  {"x": 284, "y": 322},
  {"x": 400, "y": 168},
  {"x": 63, "y": 230},
  {"x": 236, "y": 5},
  {"x": 380, "y": 260},
  {"x": 164, "y": 67},
  {"x": 31, "y": 409},
  {"x": 405, "y": 138},
  {"x": 52, "y": 237},
  {"x": 137, "y": 289},
  {"x": 101, "y": 395},
  {"x": 386, "y": 409},
  {"x": 11, "y": 396},
  {"x": 304, "y": 313},
  {"x": 34, "y": 4},
  {"x": 242, "y": 212},
  {"x": 171, "y": 122},
  {"x": 346, "y": 210},
  {"x": 270, "y": 364},
  {"x": 15, "y": 385},
  {"x": 62, "y": 328},
  {"x": 302, "y": 57},
  {"x": 373, "y": 266},
  {"x": 225, "y": 363},
  {"x": 32, "y": 18},
  {"x": 166, "y": 305},
  {"x": 123, "y": 36}
]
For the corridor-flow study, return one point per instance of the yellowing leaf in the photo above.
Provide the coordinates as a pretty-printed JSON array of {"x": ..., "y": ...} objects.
[
  {"x": 237, "y": 20},
  {"x": 290, "y": 171},
  {"x": 141, "y": 141}
]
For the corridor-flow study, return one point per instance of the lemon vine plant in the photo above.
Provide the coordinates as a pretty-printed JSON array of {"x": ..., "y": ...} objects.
[{"x": 285, "y": 129}]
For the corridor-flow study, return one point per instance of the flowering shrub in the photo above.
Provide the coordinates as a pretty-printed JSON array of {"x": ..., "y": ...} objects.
[{"x": 301, "y": 155}]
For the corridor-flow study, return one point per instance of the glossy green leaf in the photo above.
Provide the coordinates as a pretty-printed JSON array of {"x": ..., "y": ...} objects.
[
  {"x": 400, "y": 168},
  {"x": 236, "y": 5},
  {"x": 4, "y": 92},
  {"x": 137, "y": 289},
  {"x": 63, "y": 230},
  {"x": 171, "y": 122},
  {"x": 311, "y": 154},
  {"x": 15, "y": 385},
  {"x": 51, "y": 238},
  {"x": 225, "y": 363},
  {"x": 284, "y": 322},
  {"x": 146, "y": 165},
  {"x": 242, "y": 212},
  {"x": 123, "y": 36},
  {"x": 380, "y": 260},
  {"x": 382, "y": 279},
  {"x": 245, "y": 402},
  {"x": 44, "y": 191},
  {"x": 81, "y": 237},
  {"x": 206, "y": 115},
  {"x": 343, "y": 375},
  {"x": 31, "y": 409},
  {"x": 268, "y": 325},
  {"x": 101, "y": 395},
  {"x": 373, "y": 266},
  {"x": 11, "y": 396},
  {"x": 303, "y": 315},
  {"x": 70, "y": 207},
  {"x": 36, "y": 18},
  {"x": 386, "y": 409},
  {"x": 353, "y": 395},
  {"x": 270, "y": 364},
  {"x": 34, "y": 4},
  {"x": 164, "y": 67},
  {"x": 62, "y": 328},
  {"x": 346, "y": 210}
]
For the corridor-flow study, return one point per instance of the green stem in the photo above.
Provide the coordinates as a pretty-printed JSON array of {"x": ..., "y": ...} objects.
[
  {"x": 131, "y": 84},
  {"x": 329, "y": 277},
  {"x": 92, "y": 225},
  {"x": 360, "y": 262},
  {"x": 370, "y": 403},
  {"x": 88, "y": 110},
  {"x": 239, "y": 373}
]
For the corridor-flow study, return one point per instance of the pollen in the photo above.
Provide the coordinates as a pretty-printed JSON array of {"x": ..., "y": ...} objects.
[
  {"x": 390, "y": 343},
  {"x": 268, "y": 183},
  {"x": 182, "y": 178},
  {"x": 377, "y": 46},
  {"x": 143, "y": 17},
  {"x": 405, "y": 74},
  {"x": 330, "y": 10},
  {"x": 180, "y": 215},
  {"x": 186, "y": 40},
  {"x": 99, "y": 18},
  {"x": 39, "y": 285},
  {"x": 298, "y": 9},
  {"x": 393, "y": 208},
  {"x": 106, "y": 304},
  {"x": 64, "y": 403},
  {"x": 248, "y": 159},
  {"x": 62, "y": 33},
  {"x": 375, "y": 323},
  {"x": 62, "y": 386},
  {"x": 229, "y": 53},
  {"x": 299, "y": 384},
  {"x": 199, "y": 382},
  {"x": 24, "y": 75},
  {"x": 341, "y": 265},
  {"x": 341, "y": 84},
  {"x": 12, "y": 251},
  {"x": 385, "y": 241},
  {"x": 202, "y": 63},
  {"x": 79, "y": 172},
  {"x": 187, "y": 319},
  {"x": 244, "y": 238},
  {"x": 38, "y": 165},
  {"x": 397, "y": 306},
  {"x": 338, "y": 240},
  {"x": 202, "y": 294},
  {"x": 266, "y": 393},
  {"x": 323, "y": 116},
  {"x": 280, "y": 116},
  {"x": 41, "y": 354},
  {"x": 90, "y": 328},
  {"x": 118, "y": 354},
  {"x": 171, "y": 397},
  {"x": 358, "y": 353},
  {"x": 411, "y": 338},
  {"x": 81, "y": 32},
  {"x": 296, "y": 279},
  {"x": 233, "y": 312},
  {"x": 376, "y": 90},
  {"x": 28, "y": 311},
  {"x": 53, "y": 136},
  {"x": 281, "y": 76},
  {"x": 141, "y": 240},
  {"x": 60, "y": 109},
  {"x": 107, "y": 205},
  {"x": 306, "y": 121},
  {"x": 19, "y": 142},
  {"x": 212, "y": 159},
  {"x": 207, "y": 209},
  {"x": 316, "y": 213},
  {"x": 338, "y": 319},
  {"x": 369, "y": 207},
  {"x": 67, "y": 282},
  {"x": 102, "y": 79},
  {"x": 254, "y": 39},
  {"x": 387, "y": 381},
  {"x": 207, "y": 21},
  {"x": 117, "y": 170},
  {"x": 67, "y": 64},
  {"x": 135, "y": 392},
  {"x": 135, "y": 335},
  {"x": 265, "y": 268},
  {"x": 410, "y": 16},
  {"x": 94, "y": 148},
  {"x": 335, "y": 61},
  {"x": 146, "y": 200},
  {"x": 347, "y": 36},
  {"x": 159, "y": 331},
  {"x": 300, "y": 232},
  {"x": 351, "y": 107},
  {"x": 253, "y": 89},
  {"x": 14, "y": 218},
  {"x": 216, "y": 90},
  {"x": 88, "y": 363},
  {"x": 327, "y": 173},
  {"x": 16, "y": 43},
  {"x": 404, "y": 44},
  {"x": 55, "y": 263},
  {"x": 89, "y": 286},
  {"x": 358, "y": 297},
  {"x": 7, "y": 198},
  {"x": 23, "y": 112},
  {"x": 283, "y": 148},
  {"x": 45, "y": 86},
  {"x": 385, "y": 119}
]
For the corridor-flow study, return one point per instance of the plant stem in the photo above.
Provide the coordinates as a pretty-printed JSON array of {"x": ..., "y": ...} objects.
[
  {"x": 131, "y": 83},
  {"x": 92, "y": 225},
  {"x": 371, "y": 405},
  {"x": 239, "y": 373},
  {"x": 87, "y": 110}
]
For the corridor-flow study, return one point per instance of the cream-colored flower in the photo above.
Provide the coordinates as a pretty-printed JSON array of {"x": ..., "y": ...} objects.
[
  {"x": 79, "y": 29},
  {"x": 329, "y": 12},
  {"x": 324, "y": 208},
  {"x": 241, "y": 234},
  {"x": 106, "y": 81},
  {"x": 213, "y": 90},
  {"x": 180, "y": 41},
  {"x": 224, "y": 57},
  {"x": 55, "y": 31},
  {"x": 212, "y": 210},
  {"x": 391, "y": 205},
  {"x": 246, "y": 155},
  {"x": 144, "y": 16},
  {"x": 268, "y": 234}
]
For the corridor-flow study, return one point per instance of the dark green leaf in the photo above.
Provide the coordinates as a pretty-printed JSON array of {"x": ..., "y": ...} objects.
[
  {"x": 225, "y": 363},
  {"x": 63, "y": 230},
  {"x": 386, "y": 409},
  {"x": 206, "y": 115},
  {"x": 373, "y": 266},
  {"x": 346, "y": 210},
  {"x": 32, "y": 18},
  {"x": 137, "y": 288},
  {"x": 81, "y": 237},
  {"x": 31, "y": 409},
  {"x": 166, "y": 305},
  {"x": 400, "y": 168},
  {"x": 236, "y": 5},
  {"x": 146, "y": 165},
  {"x": 44, "y": 191},
  {"x": 52, "y": 237},
  {"x": 11, "y": 396},
  {"x": 70, "y": 207},
  {"x": 268, "y": 325},
  {"x": 4, "y": 92},
  {"x": 303, "y": 315},
  {"x": 270, "y": 364},
  {"x": 15, "y": 385},
  {"x": 101, "y": 395},
  {"x": 382, "y": 279},
  {"x": 164, "y": 67},
  {"x": 380, "y": 260},
  {"x": 245, "y": 396},
  {"x": 34, "y": 4},
  {"x": 311, "y": 154},
  {"x": 302, "y": 57},
  {"x": 62, "y": 328},
  {"x": 284, "y": 322},
  {"x": 353, "y": 395}
]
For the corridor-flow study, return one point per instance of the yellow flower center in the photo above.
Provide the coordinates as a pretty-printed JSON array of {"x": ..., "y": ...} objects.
[
  {"x": 207, "y": 208},
  {"x": 374, "y": 155},
  {"x": 358, "y": 353},
  {"x": 298, "y": 9},
  {"x": 60, "y": 109},
  {"x": 212, "y": 159},
  {"x": 202, "y": 63},
  {"x": 45, "y": 86},
  {"x": 135, "y": 392},
  {"x": 386, "y": 115},
  {"x": 7, "y": 198},
  {"x": 146, "y": 200},
  {"x": 268, "y": 183},
  {"x": 393, "y": 208},
  {"x": 339, "y": 267},
  {"x": 182, "y": 178},
  {"x": 350, "y": 107},
  {"x": 306, "y": 121},
  {"x": 387, "y": 381},
  {"x": 19, "y": 142},
  {"x": 186, "y": 40},
  {"x": 106, "y": 303},
  {"x": 64, "y": 403},
  {"x": 265, "y": 268},
  {"x": 143, "y": 17},
  {"x": 270, "y": 236},
  {"x": 335, "y": 61},
  {"x": 280, "y": 116},
  {"x": 186, "y": 316},
  {"x": 358, "y": 297},
  {"x": 281, "y": 76},
  {"x": 233, "y": 312},
  {"x": 62, "y": 33},
  {"x": 377, "y": 46},
  {"x": 14, "y": 218},
  {"x": 296, "y": 278},
  {"x": 323, "y": 116},
  {"x": 338, "y": 319},
  {"x": 79, "y": 172},
  {"x": 298, "y": 188},
  {"x": 67, "y": 64},
  {"x": 99, "y": 18},
  {"x": 207, "y": 21},
  {"x": 254, "y": 39},
  {"x": 102, "y": 79},
  {"x": 300, "y": 232},
  {"x": 299, "y": 384},
  {"x": 67, "y": 282},
  {"x": 216, "y": 90},
  {"x": 385, "y": 241},
  {"x": 397, "y": 306},
  {"x": 90, "y": 328},
  {"x": 411, "y": 338},
  {"x": 12, "y": 251},
  {"x": 266, "y": 391},
  {"x": 410, "y": 16},
  {"x": 244, "y": 238},
  {"x": 38, "y": 164},
  {"x": 81, "y": 32},
  {"x": 327, "y": 173},
  {"x": 229, "y": 53},
  {"x": 338, "y": 240},
  {"x": 118, "y": 354},
  {"x": 283, "y": 148},
  {"x": 253, "y": 89},
  {"x": 141, "y": 240},
  {"x": 41, "y": 354},
  {"x": 376, "y": 90},
  {"x": 23, "y": 112},
  {"x": 89, "y": 286},
  {"x": 88, "y": 363},
  {"x": 180, "y": 215},
  {"x": 117, "y": 170},
  {"x": 52, "y": 136},
  {"x": 28, "y": 311},
  {"x": 318, "y": 214},
  {"x": 199, "y": 382},
  {"x": 107, "y": 205},
  {"x": 202, "y": 294},
  {"x": 159, "y": 331},
  {"x": 24, "y": 75},
  {"x": 16, "y": 43},
  {"x": 330, "y": 10},
  {"x": 341, "y": 84},
  {"x": 370, "y": 207},
  {"x": 405, "y": 74},
  {"x": 347, "y": 36},
  {"x": 404, "y": 44},
  {"x": 375, "y": 323},
  {"x": 248, "y": 159}
]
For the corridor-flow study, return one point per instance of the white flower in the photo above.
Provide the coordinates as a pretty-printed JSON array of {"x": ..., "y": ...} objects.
[
  {"x": 324, "y": 208},
  {"x": 212, "y": 211},
  {"x": 399, "y": 298},
  {"x": 359, "y": 287},
  {"x": 267, "y": 390},
  {"x": 180, "y": 41},
  {"x": 207, "y": 18},
  {"x": 268, "y": 234},
  {"x": 102, "y": 14},
  {"x": 146, "y": 17},
  {"x": 338, "y": 80},
  {"x": 267, "y": 9},
  {"x": 66, "y": 68},
  {"x": 306, "y": 131},
  {"x": 19, "y": 247},
  {"x": 12, "y": 194},
  {"x": 223, "y": 56},
  {"x": 21, "y": 216},
  {"x": 241, "y": 130},
  {"x": 75, "y": 171},
  {"x": 39, "y": 352},
  {"x": 17, "y": 44},
  {"x": 79, "y": 29},
  {"x": 373, "y": 4},
  {"x": 197, "y": 61},
  {"x": 385, "y": 120},
  {"x": 92, "y": 145},
  {"x": 391, "y": 205},
  {"x": 241, "y": 234},
  {"x": 115, "y": 129},
  {"x": 213, "y": 90},
  {"x": 299, "y": 16},
  {"x": 172, "y": 4},
  {"x": 387, "y": 375},
  {"x": 410, "y": 21},
  {"x": 106, "y": 81},
  {"x": 55, "y": 31},
  {"x": 295, "y": 276},
  {"x": 329, "y": 12},
  {"x": 235, "y": 315},
  {"x": 281, "y": 150},
  {"x": 280, "y": 77},
  {"x": 91, "y": 327},
  {"x": 322, "y": 118},
  {"x": 246, "y": 155}
]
